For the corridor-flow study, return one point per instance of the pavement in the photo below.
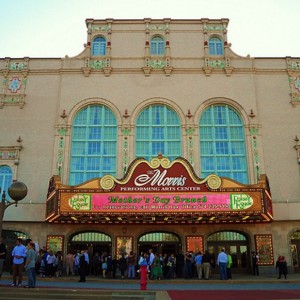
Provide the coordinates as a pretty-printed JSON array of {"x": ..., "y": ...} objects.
[
  {"x": 97, "y": 282},
  {"x": 240, "y": 287}
]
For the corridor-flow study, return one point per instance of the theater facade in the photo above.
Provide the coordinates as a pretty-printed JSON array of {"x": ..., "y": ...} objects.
[
  {"x": 157, "y": 135},
  {"x": 160, "y": 193}
]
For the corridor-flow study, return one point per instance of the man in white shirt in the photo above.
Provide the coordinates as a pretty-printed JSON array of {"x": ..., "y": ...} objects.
[
  {"x": 222, "y": 263},
  {"x": 151, "y": 260},
  {"x": 18, "y": 254}
]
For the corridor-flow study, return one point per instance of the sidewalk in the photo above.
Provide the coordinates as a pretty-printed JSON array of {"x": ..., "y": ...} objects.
[
  {"x": 238, "y": 282},
  {"x": 242, "y": 287}
]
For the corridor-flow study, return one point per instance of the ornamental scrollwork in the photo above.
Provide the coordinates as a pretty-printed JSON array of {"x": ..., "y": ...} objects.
[
  {"x": 217, "y": 64},
  {"x": 157, "y": 64}
]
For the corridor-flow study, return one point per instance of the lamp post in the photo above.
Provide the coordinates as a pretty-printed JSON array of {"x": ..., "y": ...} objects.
[{"x": 17, "y": 192}]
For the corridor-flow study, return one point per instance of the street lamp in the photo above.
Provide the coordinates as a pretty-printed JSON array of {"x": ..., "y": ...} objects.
[{"x": 17, "y": 192}]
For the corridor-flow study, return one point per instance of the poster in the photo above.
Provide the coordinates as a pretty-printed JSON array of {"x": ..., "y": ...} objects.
[
  {"x": 195, "y": 244},
  {"x": 264, "y": 247},
  {"x": 55, "y": 243},
  {"x": 124, "y": 245}
]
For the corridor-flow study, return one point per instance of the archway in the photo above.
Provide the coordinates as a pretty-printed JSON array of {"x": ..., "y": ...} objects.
[
  {"x": 160, "y": 242},
  {"x": 295, "y": 250},
  {"x": 235, "y": 243},
  {"x": 91, "y": 240}
]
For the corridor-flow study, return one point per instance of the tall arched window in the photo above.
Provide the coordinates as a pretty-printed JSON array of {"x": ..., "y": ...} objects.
[
  {"x": 158, "y": 131},
  {"x": 99, "y": 46},
  {"x": 216, "y": 46},
  {"x": 94, "y": 144},
  {"x": 5, "y": 179},
  {"x": 222, "y": 143},
  {"x": 157, "y": 46}
]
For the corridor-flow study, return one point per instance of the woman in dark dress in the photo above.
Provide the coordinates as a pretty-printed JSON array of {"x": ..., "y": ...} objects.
[
  {"x": 122, "y": 265},
  {"x": 281, "y": 266}
]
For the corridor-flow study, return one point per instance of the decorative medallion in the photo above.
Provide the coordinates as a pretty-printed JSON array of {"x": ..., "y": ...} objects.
[
  {"x": 214, "y": 27},
  {"x": 293, "y": 64},
  {"x": 217, "y": 64},
  {"x": 18, "y": 65},
  {"x": 97, "y": 64},
  {"x": 107, "y": 182},
  {"x": 14, "y": 84},
  {"x": 297, "y": 83},
  {"x": 157, "y": 64},
  {"x": 157, "y": 27},
  {"x": 213, "y": 181},
  {"x": 100, "y": 27}
]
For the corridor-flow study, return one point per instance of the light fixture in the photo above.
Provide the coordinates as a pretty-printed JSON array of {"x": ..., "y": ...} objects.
[
  {"x": 252, "y": 115},
  {"x": 63, "y": 115},
  {"x": 189, "y": 115},
  {"x": 126, "y": 115}
]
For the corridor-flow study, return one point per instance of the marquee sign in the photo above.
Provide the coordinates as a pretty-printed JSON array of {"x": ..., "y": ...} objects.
[
  {"x": 158, "y": 202},
  {"x": 159, "y": 191}
]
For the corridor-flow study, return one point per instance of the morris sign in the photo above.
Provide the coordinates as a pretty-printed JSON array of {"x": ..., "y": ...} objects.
[{"x": 165, "y": 188}]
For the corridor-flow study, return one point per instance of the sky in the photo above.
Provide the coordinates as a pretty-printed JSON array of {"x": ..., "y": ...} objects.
[{"x": 55, "y": 28}]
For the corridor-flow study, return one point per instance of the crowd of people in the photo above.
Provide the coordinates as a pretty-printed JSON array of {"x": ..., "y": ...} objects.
[{"x": 46, "y": 263}]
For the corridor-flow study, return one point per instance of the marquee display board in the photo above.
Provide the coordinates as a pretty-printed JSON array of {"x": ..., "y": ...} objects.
[{"x": 159, "y": 191}]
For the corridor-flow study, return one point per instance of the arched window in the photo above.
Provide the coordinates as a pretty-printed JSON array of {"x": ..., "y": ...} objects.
[
  {"x": 226, "y": 236},
  {"x": 91, "y": 236},
  {"x": 159, "y": 237},
  {"x": 158, "y": 131},
  {"x": 216, "y": 46},
  {"x": 94, "y": 144},
  {"x": 99, "y": 46},
  {"x": 222, "y": 143},
  {"x": 5, "y": 179},
  {"x": 157, "y": 46}
]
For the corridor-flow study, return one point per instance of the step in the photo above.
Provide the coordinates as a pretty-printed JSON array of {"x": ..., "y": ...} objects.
[{"x": 17, "y": 293}]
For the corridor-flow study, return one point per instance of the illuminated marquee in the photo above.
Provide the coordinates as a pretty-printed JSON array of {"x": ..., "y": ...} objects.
[
  {"x": 160, "y": 189},
  {"x": 160, "y": 202}
]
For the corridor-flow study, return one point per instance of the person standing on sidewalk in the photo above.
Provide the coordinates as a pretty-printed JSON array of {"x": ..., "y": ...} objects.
[
  {"x": 229, "y": 264},
  {"x": 150, "y": 262},
  {"x": 206, "y": 261},
  {"x": 83, "y": 265},
  {"x": 18, "y": 254},
  {"x": 3, "y": 252},
  {"x": 255, "y": 260},
  {"x": 188, "y": 274},
  {"x": 122, "y": 265},
  {"x": 199, "y": 265},
  {"x": 222, "y": 263},
  {"x": 131, "y": 262},
  {"x": 30, "y": 265},
  {"x": 69, "y": 263},
  {"x": 281, "y": 266}
]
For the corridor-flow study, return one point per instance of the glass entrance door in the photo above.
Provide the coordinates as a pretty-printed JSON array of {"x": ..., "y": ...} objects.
[
  {"x": 234, "y": 243},
  {"x": 239, "y": 254},
  {"x": 295, "y": 254}
]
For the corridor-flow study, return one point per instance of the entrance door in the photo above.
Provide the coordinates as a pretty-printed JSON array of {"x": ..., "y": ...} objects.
[
  {"x": 295, "y": 253},
  {"x": 236, "y": 245},
  {"x": 295, "y": 250},
  {"x": 239, "y": 254}
]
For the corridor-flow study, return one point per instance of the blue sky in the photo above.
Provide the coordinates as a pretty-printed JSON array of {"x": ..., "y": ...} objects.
[{"x": 55, "y": 28}]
